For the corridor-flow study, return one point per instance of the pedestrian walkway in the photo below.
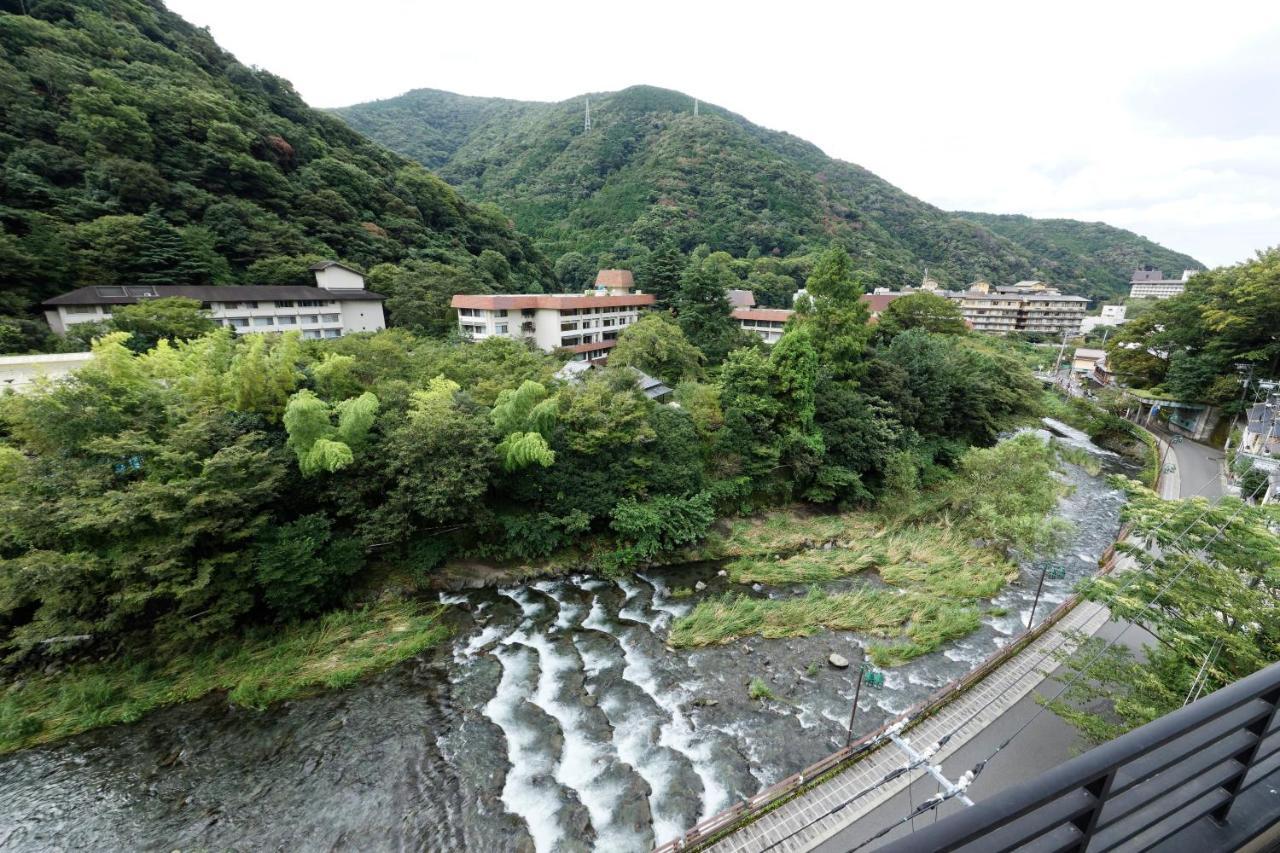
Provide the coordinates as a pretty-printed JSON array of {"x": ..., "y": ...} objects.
[{"x": 812, "y": 817}]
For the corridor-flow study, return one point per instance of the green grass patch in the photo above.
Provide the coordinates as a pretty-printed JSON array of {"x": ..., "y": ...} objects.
[
  {"x": 726, "y": 618},
  {"x": 934, "y": 578},
  {"x": 760, "y": 690},
  {"x": 331, "y": 651}
]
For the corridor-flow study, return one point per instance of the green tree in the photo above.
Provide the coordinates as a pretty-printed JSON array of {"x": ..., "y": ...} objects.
[
  {"x": 319, "y": 444},
  {"x": 302, "y": 566},
  {"x": 524, "y": 417},
  {"x": 702, "y": 308},
  {"x": 147, "y": 322},
  {"x": 1206, "y": 593},
  {"x": 926, "y": 311},
  {"x": 660, "y": 274},
  {"x": 657, "y": 346},
  {"x": 574, "y": 272}
]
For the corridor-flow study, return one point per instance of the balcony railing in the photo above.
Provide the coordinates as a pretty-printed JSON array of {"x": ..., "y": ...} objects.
[{"x": 1200, "y": 778}]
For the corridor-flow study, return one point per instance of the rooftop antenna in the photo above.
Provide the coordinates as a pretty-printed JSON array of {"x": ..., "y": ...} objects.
[{"x": 586, "y": 119}]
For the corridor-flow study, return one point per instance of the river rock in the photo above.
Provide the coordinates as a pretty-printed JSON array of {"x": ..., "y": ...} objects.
[
  {"x": 755, "y": 587},
  {"x": 700, "y": 586},
  {"x": 826, "y": 546},
  {"x": 706, "y": 702},
  {"x": 722, "y": 574},
  {"x": 838, "y": 661}
]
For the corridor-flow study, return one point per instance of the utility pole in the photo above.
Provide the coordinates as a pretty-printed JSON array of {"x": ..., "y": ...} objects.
[
  {"x": 1032, "y": 618},
  {"x": 586, "y": 119},
  {"x": 1062, "y": 350},
  {"x": 857, "y": 691},
  {"x": 695, "y": 106}
]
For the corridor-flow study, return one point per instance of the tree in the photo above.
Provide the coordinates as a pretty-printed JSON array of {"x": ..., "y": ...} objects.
[
  {"x": 301, "y": 566},
  {"x": 1206, "y": 591},
  {"x": 174, "y": 318},
  {"x": 657, "y": 346},
  {"x": 926, "y": 311},
  {"x": 660, "y": 274},
  {"x": 523, "y": 417},
  {"x": 837, "y": 314},
  {"x": 702, "y": 308},
  {"x": 319, "y": 444},
  {"x": 1004, "y": 495},
  {"x": 574, "y": 272}
]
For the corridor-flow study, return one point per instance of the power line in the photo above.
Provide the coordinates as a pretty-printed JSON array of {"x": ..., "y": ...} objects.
[
  {"x": 1129, "y": 579},
  {"x": 981, "y": 765},
  {"x": 970, "y": 775}
]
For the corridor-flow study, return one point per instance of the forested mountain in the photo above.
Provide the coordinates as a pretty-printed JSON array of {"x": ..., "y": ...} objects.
[
  {"x": 649, "y": 170},
  {"x": 135, "y": 149},
  {"x": 1068, "y": 249}
]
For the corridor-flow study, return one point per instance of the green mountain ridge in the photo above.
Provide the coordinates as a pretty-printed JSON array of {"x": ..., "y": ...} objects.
[
  {"x": 135, "y": 150},
  {"x": 649, "y": 170}
]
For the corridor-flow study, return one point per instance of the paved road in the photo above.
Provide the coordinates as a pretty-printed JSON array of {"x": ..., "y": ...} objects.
[{"x": 1199, "y": 469}]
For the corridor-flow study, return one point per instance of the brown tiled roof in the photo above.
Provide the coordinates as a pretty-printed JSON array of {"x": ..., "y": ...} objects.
[
  {"x": 775, "y": 314},
  {"x": 214, "y": 293},
  {"x": 543, "y": 300},
  {"x": 615, "y": 278},
  {"x": 877, "y": 302}
]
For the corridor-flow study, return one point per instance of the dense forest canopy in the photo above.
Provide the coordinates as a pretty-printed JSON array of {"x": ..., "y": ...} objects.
[
  {"x": 649, "y": 171},
  {"x": 135, "y": 149},
  {"x": 1200, "y": 345}
]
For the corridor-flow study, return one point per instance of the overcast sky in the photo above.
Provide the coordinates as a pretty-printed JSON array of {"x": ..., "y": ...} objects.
[{"x": 1160, "y": 117}]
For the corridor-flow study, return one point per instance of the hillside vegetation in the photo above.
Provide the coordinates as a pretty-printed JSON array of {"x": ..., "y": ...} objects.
[
  {"x": 1084, "y": 252},
  {"x": 649, "y": 171},
  {"x": 136, "y": 150}
]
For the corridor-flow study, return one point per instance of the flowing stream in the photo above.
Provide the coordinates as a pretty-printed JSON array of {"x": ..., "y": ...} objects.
[{"x": 557, "y": 720}]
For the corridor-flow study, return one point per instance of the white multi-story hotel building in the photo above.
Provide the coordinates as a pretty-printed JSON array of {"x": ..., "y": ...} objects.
[
  {"x": 1028, "y": 306},
  {"x": 337, "y": 305},
  {"x": 1150, "y": 283},
  {"x": 587, "y": 323}
]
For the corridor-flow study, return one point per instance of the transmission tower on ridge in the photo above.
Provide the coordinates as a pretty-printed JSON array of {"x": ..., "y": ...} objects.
[
  {"x": 586, "y": 119},
  {"x": 695, "y": 106}
]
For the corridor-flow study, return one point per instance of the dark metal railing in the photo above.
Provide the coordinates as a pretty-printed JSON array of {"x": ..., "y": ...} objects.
[{"x": 1139, "y": 790}]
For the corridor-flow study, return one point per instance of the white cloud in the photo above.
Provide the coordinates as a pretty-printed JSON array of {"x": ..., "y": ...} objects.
[{"x": 1150, "y": 116}]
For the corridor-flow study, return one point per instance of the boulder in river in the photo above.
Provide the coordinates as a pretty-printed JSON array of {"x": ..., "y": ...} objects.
[
  {"x": 700, "y": 586},
  {"x": 838, "y": 661}
]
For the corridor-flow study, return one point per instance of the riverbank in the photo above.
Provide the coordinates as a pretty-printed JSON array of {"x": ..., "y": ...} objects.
[{"x": 270, "y": 665}]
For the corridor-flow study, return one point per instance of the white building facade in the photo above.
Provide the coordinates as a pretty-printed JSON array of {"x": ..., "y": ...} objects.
[
  {"x": 768, "y": 323},
  {"x": 338, "y": 305},
  {"x": 1150, "y": 283},
  {"x": 588, "y": 324}
]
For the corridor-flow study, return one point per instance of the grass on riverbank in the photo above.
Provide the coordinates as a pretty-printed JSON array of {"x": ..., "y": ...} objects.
[
  {"x": 933, "y": 580},
  {"x": 328, "y": 652}
]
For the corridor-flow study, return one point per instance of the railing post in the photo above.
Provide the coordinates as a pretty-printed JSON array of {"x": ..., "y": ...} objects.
[
  {"x": 1100, "y": 790},
  {"x": 1246, "y": 757}
]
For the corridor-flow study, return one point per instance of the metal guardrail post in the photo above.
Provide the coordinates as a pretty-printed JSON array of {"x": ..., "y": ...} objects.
[
  {"x": 1100, "y": 790},
  {"x": 1248, "y": 756}
]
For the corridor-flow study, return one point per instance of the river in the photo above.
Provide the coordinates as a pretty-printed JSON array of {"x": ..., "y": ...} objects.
[{"x": 557, "y": 720}]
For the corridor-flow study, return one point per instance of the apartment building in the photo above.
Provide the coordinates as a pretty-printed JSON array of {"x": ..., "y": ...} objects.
[
  {"x": 1111, "y": 315},
  {"x": 1028, "y": 306},
  {"x": 339, "y": 304},
  {"x": 1150, "y": 283},
  {"x": 587, "y": 323},
  {"x": 768, "y": 323}
]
